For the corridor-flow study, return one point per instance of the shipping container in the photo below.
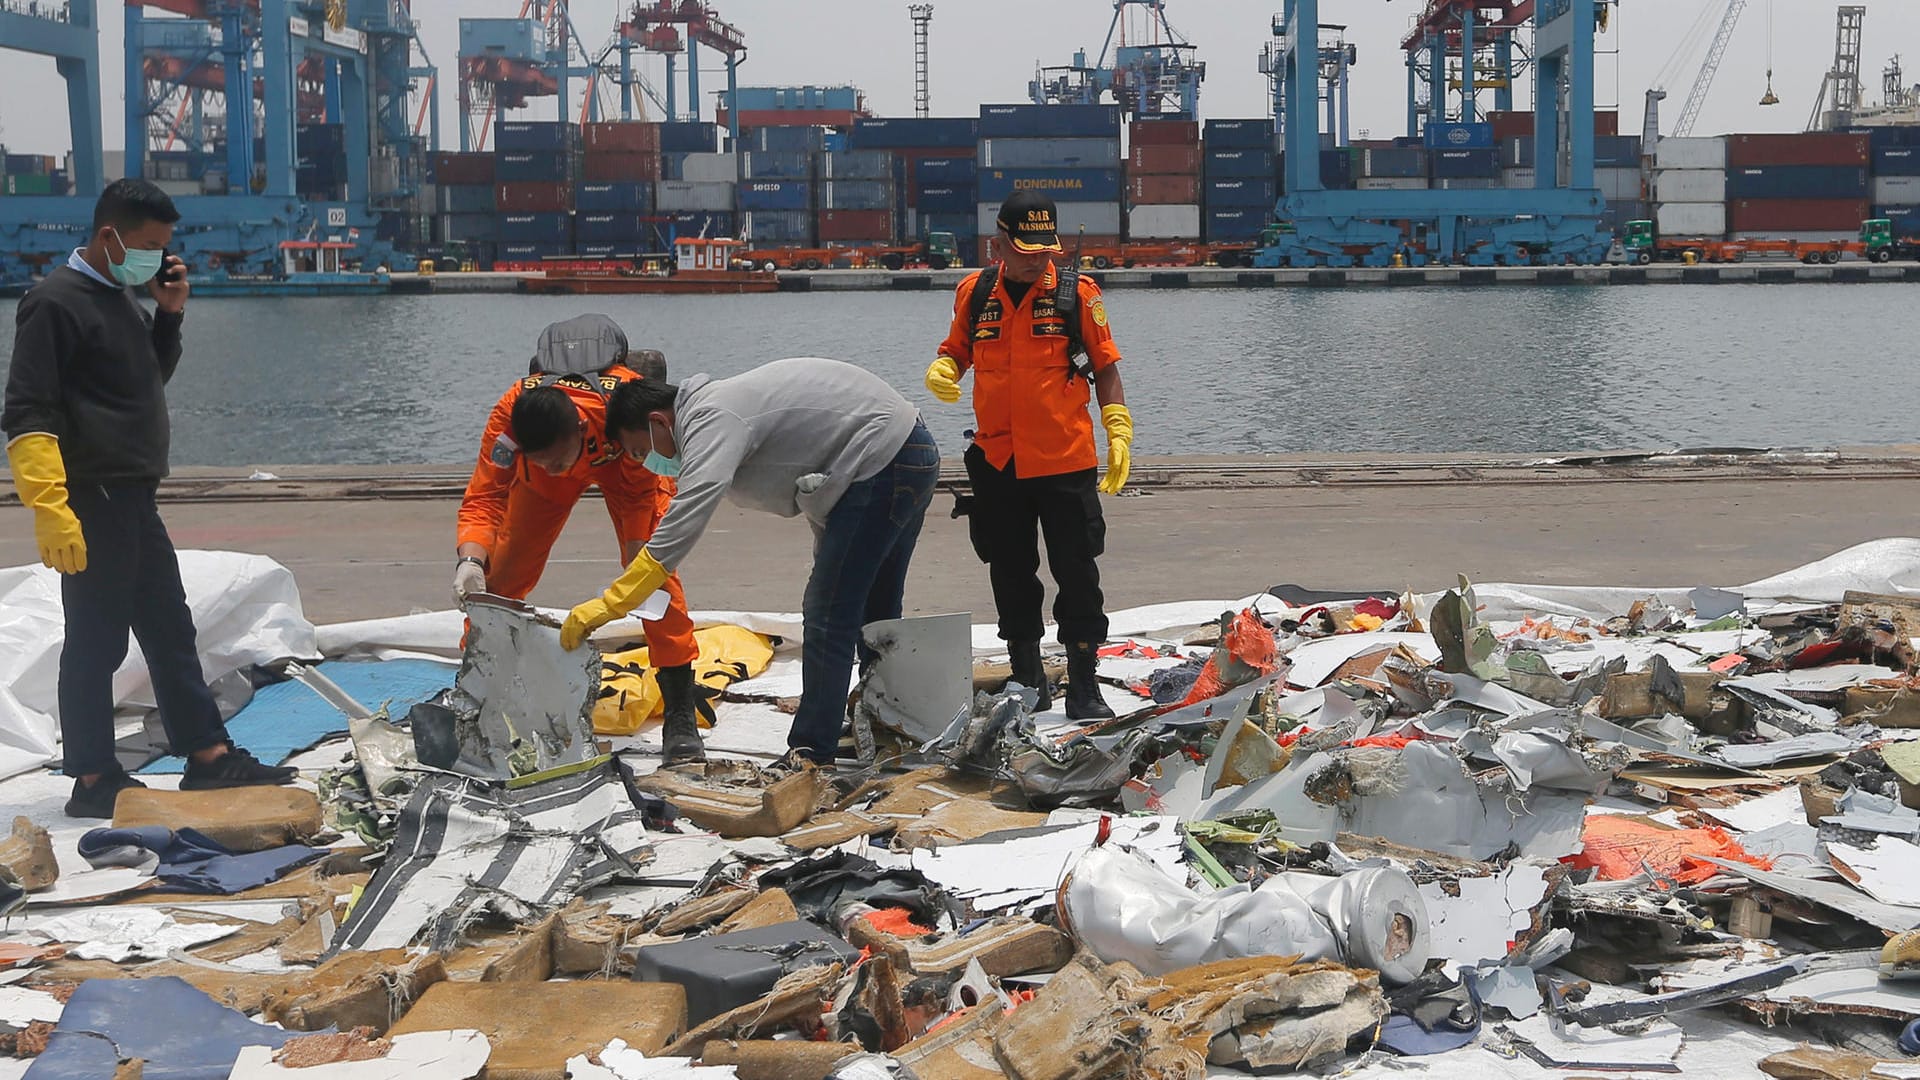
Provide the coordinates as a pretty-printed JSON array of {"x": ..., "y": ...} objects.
[
  {"x": 1897, "y": 190},
  {"x": 533, "y": 198},
  {"x": 609, "y": 228},
  {"x": 1063, "y": 185},
  {"x": 1517, "y": 153},
  {"x": 618, "y": 249},
  {"x": 1398, "y": 163},
  {"x": 1519, "y": 179},
  {"x": 683, "y": 196},
  {"x": 1798, "y": 182},
  {"x": 1094, "y": 218},
  {"x": 1049, "y": 153},
  {"x": 1882, "y": 136},
  {"x": 1255, "y": 162},
  {"x": 607, "y": 168},
  {"x": 1236, "y": 223},
  {"x": 512, "y": 252},
  {"x": 776, "y": 195},
  {"x": 1796, "y": 215},
  {"x": 1454, "y": 136},
  {"x": 725, "y": 168},
  {"x": 464, "y": 199},
  {"x": 1149, "y": 132},
  {"x": 914, "y": 133},
  {"x": 1691, "y": 154},
  {"x": 764, "y": 227},
  {"x": 755, "y": 119},
  {"x": 688, "y": 137},
  {"x": 1906, "y": 219},
  {"x": 1812, "y": 148},
  {"x": 1510, "y": 124},
  {"x": 856, "y": 165},
  {"x": 854, "y": 195},
  {"x": 1690, "y": 186},
  {"x": 621, "y": 137},
  {"x": 30, "y": 184},
  {"x": 1159, "y": 160},
  {"x": 944, "y": 172},
  {"x": 1255, "y": 134},
  {"x": 1464, "y": 164},
  {"x": 462, "y": 169},
  {"x": 1466, "y": 183},
  {"x": 785, "y": 139},
  {"x": 29, "y": 165},
  {"x": 1237, "y": 191},
  {"x": 1616, "y": 152},
  {"x": 1165, "y": 222},
  {"x": 1618, "y": 185},
  {"x": 1160, "y": 190},
  {"x": 1391, "y": 183},
  {"x": 1049, "y": 121},
  {"x": 855, "y": 226},
  {"x": 1691, "y": 219},
  {"x": 550, "y": 137},
  {"x": 469, "y": 228},
  {"x": 1897, "y": 161},
  {"x": 947, "y": 200},
  {"x": 525, "y": 167},
  {"x": 1337, "y": 169},
  {"x": 628, "y": 196},
  {"x": 781, "y": 165},
  {"x": 536, "y": 228}
]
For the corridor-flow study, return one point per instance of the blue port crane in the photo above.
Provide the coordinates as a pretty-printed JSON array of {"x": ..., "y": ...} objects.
[
  {"x": 1554, "y": 222},
  {"x": 70, "y": 34},
  {"x": 656, "y": 26},
  {"x": 1146, "y": 66},
  {"x": 505, "y": 63},
  {"x": 1455, "y": 53},
  {"x": 1337, "y": 60}
]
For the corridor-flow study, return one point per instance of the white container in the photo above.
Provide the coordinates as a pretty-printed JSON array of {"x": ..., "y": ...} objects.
[
  {"x": 1896, "y": 190},
  {"x": 1691, "y": 219},
  {"x": 1391, "y": 183},
  {"x": 683, "y": 195},
  {"x": 1690, "y": 186},
  {"x": 1691, "y": 154},
  {"x": 708, "y": 168},
  {"x": 1164, "y": 222},
  {"x": 1518, "y": 179},
  {"x": 1095, "y": 219},
  {"x": 1618, "y": 185},
  {"x": 1049, "y": 153}
]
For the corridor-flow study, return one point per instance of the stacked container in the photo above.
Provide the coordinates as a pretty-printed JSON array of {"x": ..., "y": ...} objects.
[
  {"x": 1240, "y": 184},
  {"x": 1163, "y": 180},
  {"x": 935, "y": 173},
  {"x": 683, "y": 137},
  {"x": 1798, "y": 187},
  {"x": 854, "y": 197},
  {"x": 320, "y": 161},
  {"x": 535, "y": 164},
  {"x": 463, "y": 200},
  {"x": 1070, "y": 153},
  {"x": 1896, "y": 177},
  {"x": 1690, "y": 187},
  {"x": 1392, "y": 168},
  {"x": 1617, "y": 173},
  {"x": 620, "y": 161}
]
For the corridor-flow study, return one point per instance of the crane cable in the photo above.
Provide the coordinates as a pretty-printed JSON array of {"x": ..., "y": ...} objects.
[
  {"x": 1689, "y": 43},
  {"x": 1769, "y": 98}
]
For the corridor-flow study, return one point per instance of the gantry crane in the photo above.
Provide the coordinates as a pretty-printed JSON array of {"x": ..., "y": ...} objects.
[
  {"x": 1337, "y": 58},
  {"x": 1450, "y": 33},
  {"x": 506, "y": 62},
  {"x": 1840, "y": 94},
  {"x": 1145, "y": 64},
  {"x": 655, "y": 26}
]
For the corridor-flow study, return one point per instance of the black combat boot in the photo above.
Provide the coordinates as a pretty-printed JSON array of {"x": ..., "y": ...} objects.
[
  {"x": 1083, "y": 684},
  {"x": 1030, "y": 671},
  {"x": 680, "y": 735}
]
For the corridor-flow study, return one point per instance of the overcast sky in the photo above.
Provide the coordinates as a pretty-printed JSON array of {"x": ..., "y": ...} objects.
[{"x": 986, "y": 50}]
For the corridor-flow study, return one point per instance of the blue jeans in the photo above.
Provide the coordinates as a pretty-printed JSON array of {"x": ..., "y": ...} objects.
[{"x": 859, "y": 576}]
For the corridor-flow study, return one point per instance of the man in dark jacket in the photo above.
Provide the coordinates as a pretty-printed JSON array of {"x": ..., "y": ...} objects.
[{"x": 86, "y": 425}]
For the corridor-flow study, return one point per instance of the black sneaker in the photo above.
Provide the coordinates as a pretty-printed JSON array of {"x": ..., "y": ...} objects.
[
  {"x": 235, "y": 768},
  {"x": 97, "y": 801}
]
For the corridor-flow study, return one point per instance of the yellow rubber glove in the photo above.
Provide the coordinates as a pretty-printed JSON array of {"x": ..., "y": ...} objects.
[
  {"x": 643, "y": 578},
  {"x": 1119, "y": 424},
  {"x": 40, "y": 477},
  {"x": 943, "y": 378}
]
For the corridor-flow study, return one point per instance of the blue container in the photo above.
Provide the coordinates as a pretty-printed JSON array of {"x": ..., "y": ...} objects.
[
  {"x": 786, "y": 140},
  {"x": 777, "y": 165},
  {"x": 1241, "y": 191},
  {"x": 779, "y": 226},
  {"x": 1402, "y": 164},
  {"x": 1051, "y": 153},
  {"x": 1882, "y": 137},
  {"x": 945, "y": 172},
  {"x": 1896, "y": 161},
  {"x": 606, "y": 228},
  {"x": 1798, "y": 182},
  {"x": 532, "y": 252},
  {"x": 688, "y": 137},
  {"x": 319, "y": 140},
  {"x": 538, "y": 136},
  {"x": 947, "y": 200},
  {"x": 536, "y": 228},
  {"x": 466, "y": 198},
  {"x": 776, "y": 195},
  {"x": 1042, "y": 121},
  {"x": 856, "y": 195},
  {"x": 1459, "y": 136},
  {"x": 963, "y": 226},
  {"x": 913, "y": 133},
  {"x": 1906, "y": 219},
  {"x": 856, "y": 165},
  {"x": 1238, "y": 134},
  {"x": 1237, "y": 222},
  {"x": 1616, "y": 152},
  {"x": 1063, "y": 185},
  {"x": 615, "y": 250},
  {"x": 631, "y": 197},
  {"x": 526, "y": 167},
  {"x": 1336, "y": 169},
  {"x": 1246, "y": 161},
  {"x": 1465, "y": 164}
]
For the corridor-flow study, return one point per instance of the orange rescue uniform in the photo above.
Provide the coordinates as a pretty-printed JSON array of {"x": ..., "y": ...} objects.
[
  {"x": 1029, "y": 405},
  {"x": 516, "y": 510}
]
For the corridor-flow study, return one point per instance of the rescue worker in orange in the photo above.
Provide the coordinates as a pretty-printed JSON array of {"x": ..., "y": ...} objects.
[
  {"x": 545, "y": 444},
  {"x": 1021, "y": 326}
]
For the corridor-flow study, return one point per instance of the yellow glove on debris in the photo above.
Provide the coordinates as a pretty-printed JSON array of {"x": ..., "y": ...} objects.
[
  {"x": 643, "y": 578},
  {"x": 40, "y": 477},
  {"x": 943, "y": 378},
  {"x": 1119, "y": 424}
]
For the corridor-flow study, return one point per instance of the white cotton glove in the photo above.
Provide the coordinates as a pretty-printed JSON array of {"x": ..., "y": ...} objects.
[{"x": 468, "y": 578}]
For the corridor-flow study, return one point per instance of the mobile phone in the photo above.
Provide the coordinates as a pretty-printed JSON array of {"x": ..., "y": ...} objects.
[{"x": 174, "y": 274}]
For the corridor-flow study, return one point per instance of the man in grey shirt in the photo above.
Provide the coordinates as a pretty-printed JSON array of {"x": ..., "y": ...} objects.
[{"x": 802, "y": 436}]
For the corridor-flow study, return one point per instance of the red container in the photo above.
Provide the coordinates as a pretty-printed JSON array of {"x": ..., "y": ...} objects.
[
  {"x": 621, "y": 137},
  {"x": 1164, "y": 133},
  {"x": 1816, "y": 148},
  {"x": 1797, "y": 215},
  {"x": 855, "y": 226},
  {"x": 541, "y": 198},
  {"x": 1162, "y": 190},
  {"x": 1519, "y": 123},
  {"x": 614, "y": 168},
  {"x": 1606, "y": 123},
  {"x": 1164, "y": 160},
  {"x": 462, "y": 169}
]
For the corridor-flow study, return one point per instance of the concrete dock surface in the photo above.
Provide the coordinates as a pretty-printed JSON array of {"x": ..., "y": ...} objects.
[{"x": 374, "y": 542}]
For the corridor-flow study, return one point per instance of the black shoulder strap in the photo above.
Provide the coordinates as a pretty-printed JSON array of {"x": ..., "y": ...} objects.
[{"x": 982, "y": 292}]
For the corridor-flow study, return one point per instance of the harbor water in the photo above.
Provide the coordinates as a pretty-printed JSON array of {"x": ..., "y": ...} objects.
[{"x": 409, "y": 379}]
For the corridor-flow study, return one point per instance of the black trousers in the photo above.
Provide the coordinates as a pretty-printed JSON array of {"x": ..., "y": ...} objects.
[
  {"x": 131, "y": 585},
  {"x": 1007, "y": 519}
]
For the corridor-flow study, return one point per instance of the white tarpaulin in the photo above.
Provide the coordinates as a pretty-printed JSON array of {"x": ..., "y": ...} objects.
[{"x": 246, "y": 611}]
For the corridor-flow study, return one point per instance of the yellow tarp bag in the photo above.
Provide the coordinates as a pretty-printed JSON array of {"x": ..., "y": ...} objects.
[{"x": 630, "y": 695}]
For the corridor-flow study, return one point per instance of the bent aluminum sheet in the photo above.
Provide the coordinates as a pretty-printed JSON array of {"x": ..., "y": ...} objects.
[{"x": 923, "y": 679}]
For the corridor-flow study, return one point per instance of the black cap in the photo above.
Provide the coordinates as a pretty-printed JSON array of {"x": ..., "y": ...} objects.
[{"x": 1031, "y": 222}]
